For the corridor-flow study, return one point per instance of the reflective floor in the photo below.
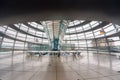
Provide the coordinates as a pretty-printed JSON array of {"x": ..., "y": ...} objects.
[{"x": 90, "y": 66}]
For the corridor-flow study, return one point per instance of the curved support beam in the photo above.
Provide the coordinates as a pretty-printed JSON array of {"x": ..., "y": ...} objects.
[
  {"x": 9, "y": 37},
  {"x": 97, "y": 27},
  {"x": 112, "y": 35},
  {"x": 81, "y": 24},
  {"x": 33, "y": 27},
  {"x": 17, "y": 29}
]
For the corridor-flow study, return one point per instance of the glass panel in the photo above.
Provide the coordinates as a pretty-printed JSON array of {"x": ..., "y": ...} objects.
[
  {"x": 19, "y": 45},
  {"x": 24, "y": 27},
  {"x": 94, "y": 25},
  {"x": 76, "y": 22},
  {"x": 30, "y": 38},
  {"x": 31, "y": 31},
  {"x": 111, "y": 32},
  {"x": 114, "y": 38},
  {"x": 2, "y": 29},
  {"x": 71, "y": 24},
  {"x": 34, "y": 24},
  {"x": 7, "y": 43},
  {"x": 87, "y": 26},
  {"x": 71, "y": 30},
  {"x": 109, "y": 28},
  {"x": 45, "y": 41},
  {"x": 11, "y": 32},
  {"x": 39, "y": 33},
  {"x": 21, "y": 36},
  {"x": 79, "y": 29}
]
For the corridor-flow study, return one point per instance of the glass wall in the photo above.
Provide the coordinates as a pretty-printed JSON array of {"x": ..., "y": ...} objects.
[
  {"x": 88, "y": 36},
  {"x": 15, "y": 38},
  {"x": 80, "y": 34},
  {"x": 85, "y": 36}
]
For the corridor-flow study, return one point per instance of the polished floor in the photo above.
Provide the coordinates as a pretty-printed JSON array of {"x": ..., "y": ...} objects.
[{"x": 87, "y": 66}]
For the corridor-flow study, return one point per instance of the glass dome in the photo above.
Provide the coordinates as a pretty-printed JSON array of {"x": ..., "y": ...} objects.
[{"x": 78, "y": 35}]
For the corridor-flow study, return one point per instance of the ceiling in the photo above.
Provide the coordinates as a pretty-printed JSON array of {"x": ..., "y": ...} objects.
[{"x": 16, "y": 11}]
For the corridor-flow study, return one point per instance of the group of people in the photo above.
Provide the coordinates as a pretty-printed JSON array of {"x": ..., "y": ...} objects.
[
  {"x": 73, "y": 53},
  {"x": 76, "y": 53},
  {"x": 58, "y": 54}
]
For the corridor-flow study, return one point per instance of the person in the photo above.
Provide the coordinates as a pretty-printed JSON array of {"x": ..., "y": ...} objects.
[
  {"x": 74, "y": 54},
  {"x": 79, "y": 53},
  {"x": 59, "y": 54},
  {"x": 40, "y": 54}
]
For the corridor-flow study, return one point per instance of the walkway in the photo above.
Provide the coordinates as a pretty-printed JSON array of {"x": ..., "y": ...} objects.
[{"x": 67, "y": 67}]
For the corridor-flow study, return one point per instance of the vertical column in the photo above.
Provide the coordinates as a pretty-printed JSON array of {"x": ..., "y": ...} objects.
[
  {"x": 25, "y": 44},
  {"x": 3, "y": 37},
  {"x": 95, "y": 44},
  {"x": 86, "y": 44},
  {"x": 13, "y": 50},
  {"x": 77, "y": 36}
]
